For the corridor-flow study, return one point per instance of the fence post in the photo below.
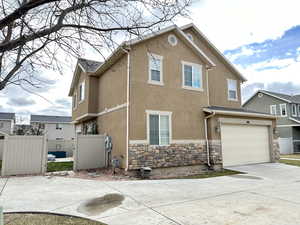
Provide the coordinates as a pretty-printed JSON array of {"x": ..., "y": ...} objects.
[
  {"x": 44, "y": 155},
  {"x": 4, "y": 154},
  {"x": 75, "y": 153},
  {"x": 1, "y": 216}
]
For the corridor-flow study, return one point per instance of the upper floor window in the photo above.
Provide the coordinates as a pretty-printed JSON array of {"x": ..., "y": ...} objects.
[
  {"x": 232, "y": 90},
  {"x": 273, "y": 110},
  {"x": 155, "y": 69},
  {"x": 159, "y": 127},
  {"x": 283, "y": 111},
  {"x": 74, "y": 100},
  {"x": 81, "y": 91},
  {"x": 294, "y": 110},
  {"x": 192, "y": 76}
]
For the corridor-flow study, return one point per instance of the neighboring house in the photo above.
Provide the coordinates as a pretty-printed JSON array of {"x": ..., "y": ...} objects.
[
  {"x": 287, "y": 110},
  {"x": 167, "y": 98},
  {"x": 55, "y": 127},
  {"x": 7, "y": 122}
]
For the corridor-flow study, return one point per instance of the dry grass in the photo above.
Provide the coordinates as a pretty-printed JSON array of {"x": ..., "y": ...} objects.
[
  {"x": 45, "y": 219},
  {"x": 292, "y": 156},
  {"x": 290, "y": 162}
]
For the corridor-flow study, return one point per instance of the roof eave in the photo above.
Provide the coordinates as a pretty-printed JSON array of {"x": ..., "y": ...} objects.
[
  {"x": 214, "y": 47},
  {"x": 233, "y": 113}
]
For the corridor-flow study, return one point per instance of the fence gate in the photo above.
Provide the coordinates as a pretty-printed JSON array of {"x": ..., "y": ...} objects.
[
  {"x": 89, "y": 152},
  {"x": 24, "y": 155},
  {"x": 286, "y": 145}
]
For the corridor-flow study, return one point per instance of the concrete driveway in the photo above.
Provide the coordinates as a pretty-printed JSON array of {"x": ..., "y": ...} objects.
[{"x": 267, "y": 194}]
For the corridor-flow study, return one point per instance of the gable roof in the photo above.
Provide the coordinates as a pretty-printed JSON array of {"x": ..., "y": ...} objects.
[
  {"x": 220, "y": 54},
  {"x": 50, "y": 119},
  {"x": 283, "y": 97},
  {"x": 125, "y": 46},
  {"x": 7, "y": 116},
  {"x": 89, "y": 66}
]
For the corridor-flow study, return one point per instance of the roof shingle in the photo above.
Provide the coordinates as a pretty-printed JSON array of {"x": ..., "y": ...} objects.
[
  {"x": 89, "y": 65},
  {"x": 7, "y": 116}
]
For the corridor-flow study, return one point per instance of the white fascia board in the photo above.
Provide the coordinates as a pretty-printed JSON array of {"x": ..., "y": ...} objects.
[
  {"x": 233, "y": 113},
  {"x": 214, "y": 47}
]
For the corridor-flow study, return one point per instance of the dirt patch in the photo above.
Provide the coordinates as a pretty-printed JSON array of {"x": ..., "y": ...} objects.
[
  {"x": 246, "y": 177},
  {"x": 105, "y": 174},
  {"x": 97, "y": 206},
  {"x": 45, "y": 219}
]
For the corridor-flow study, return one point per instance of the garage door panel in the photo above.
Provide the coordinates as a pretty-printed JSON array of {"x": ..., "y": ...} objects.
[{"x": 242, "y": 144}]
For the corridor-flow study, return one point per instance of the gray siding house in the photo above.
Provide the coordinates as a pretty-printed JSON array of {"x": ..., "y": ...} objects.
[
  {"x": 7, "y": 121},
  {"x": 287, "y": 110}
]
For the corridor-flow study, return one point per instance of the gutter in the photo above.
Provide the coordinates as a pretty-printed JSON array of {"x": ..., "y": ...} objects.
[
  {"x": 206, "y": 136},
  {"x": 233, "y": 113}
]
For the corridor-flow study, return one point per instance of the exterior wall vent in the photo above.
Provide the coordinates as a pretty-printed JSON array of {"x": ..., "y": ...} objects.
[
  {"x": 260, "y": 95},
  {"x": 172, "y": 40}
]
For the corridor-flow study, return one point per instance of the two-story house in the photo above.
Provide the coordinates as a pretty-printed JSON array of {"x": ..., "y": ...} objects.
[
  {"x": 7, "y": 122},
  {"x": 287, "y": 110},
  {"x": 171, "y": 101}
]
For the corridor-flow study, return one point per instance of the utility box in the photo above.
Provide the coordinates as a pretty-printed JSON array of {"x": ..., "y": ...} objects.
[{"x": 145, "y": 172}]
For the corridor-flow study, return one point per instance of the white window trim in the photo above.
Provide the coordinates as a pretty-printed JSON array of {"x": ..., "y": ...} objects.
[
  {"x": 160, "y": 113},
  {"x": 161, "y": 58},
  {"x": 236, "y": 96},
  {"x": 201, "y": 76},
  {"x": 299, "y": 110},
  {"x": 80, "y": 101},
  {"x": 294, "y": 106},
  {"x": 74, "y": 103},
  {"x": 275, "y": 107},
  {"x": 281, "y": 107}
]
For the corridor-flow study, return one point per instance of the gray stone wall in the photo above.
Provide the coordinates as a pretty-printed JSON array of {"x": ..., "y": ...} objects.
[
  {"x": 175, "y": 155},
  {"x": 275, "y": 156}
]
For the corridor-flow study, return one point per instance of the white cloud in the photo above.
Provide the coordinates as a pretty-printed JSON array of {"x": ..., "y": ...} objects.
[
  {"x": 289, "y": 71},
  {"x": 233, "y": 23}
]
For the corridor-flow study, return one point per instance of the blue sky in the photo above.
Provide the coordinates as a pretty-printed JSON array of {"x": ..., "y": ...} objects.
[{"x": 261, "y": 38}]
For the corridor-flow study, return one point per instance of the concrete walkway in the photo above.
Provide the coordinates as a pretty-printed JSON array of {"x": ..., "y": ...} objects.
[
  {"x": 268, "y": 194},
  {"x": 291, "y": 159}
]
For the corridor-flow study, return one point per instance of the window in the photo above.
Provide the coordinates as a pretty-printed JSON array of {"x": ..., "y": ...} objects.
[
  {"x": 273, "y": 110},
  {"x": 294, "y": 110},
  {"x": 74, "y": 101},
  {"x": 155, "y": 69},
  {"x": 232, "y": 90},
  {"x": 81, "y": 91},
  {"x": 58, "y": 126},
  {"x": 192, "y": 76},
  {"x": 299, "y": 110},
  {"x": 283, "y": 112},
  {"x": 159, "y": 127}
]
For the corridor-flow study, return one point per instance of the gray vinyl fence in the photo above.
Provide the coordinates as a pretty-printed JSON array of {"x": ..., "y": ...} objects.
[
  {"x": 24, "y": 155},
  {"x": 89, "y": 152}
]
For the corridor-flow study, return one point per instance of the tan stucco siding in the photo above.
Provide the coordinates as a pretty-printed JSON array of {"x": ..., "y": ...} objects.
[
  {"x": 82, "y": 107},
  {"x": 214, "y": 124},
  {"x": 93, "y": 94},
  {"x": 185, "y": 105},
  {"x": 114, "y": 124},
  {"x": 112, "y": 86},
  {"x": 218, "y": 76}
]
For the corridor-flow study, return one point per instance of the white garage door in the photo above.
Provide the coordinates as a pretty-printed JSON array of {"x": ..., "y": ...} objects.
[{"x": 242, "y": 144}]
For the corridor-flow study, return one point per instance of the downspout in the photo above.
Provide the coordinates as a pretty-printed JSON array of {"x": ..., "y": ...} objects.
[
  {"x": 206, "y": 137},
  {"x": 205, "y": 121},
  {"x": 127, "y": 105}
]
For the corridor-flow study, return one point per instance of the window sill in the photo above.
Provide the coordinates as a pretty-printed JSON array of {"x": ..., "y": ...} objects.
[
  {"x": 155, "y": 83},
  {"x": 80, "y": 101},
  {"x": 193, "y": 89},
  {"x": 233, "y": 100}
]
